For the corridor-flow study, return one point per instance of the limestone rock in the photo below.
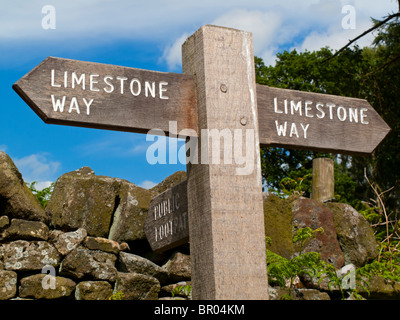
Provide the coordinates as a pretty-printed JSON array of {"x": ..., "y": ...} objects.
[
  {"x": 95, "y": 264},
  {"x": 309, "y": 294},
  {"x": 82, "y": 200},
  {"x": 8, "y": 284},
  {"x": 106, "y": 207},
  {"x": 4, "y": 222},
  {"x": 310, "y": 213},
  {"x": 278, "y": 225},
  {"x": 137, "y": 286},
  {"x": 355, "y": 235},
  {"x": 132, "y": 263},
  {"x": 16, "y": 200},
  {"x": 179, "y": 267},
  {"x": 68, "y": 241},
  {"x": 130, "y": 213},
  {"x": 24, "y": 255},
  {"x": 168, "y": 289},
  {"x": 277, "y": 293},
  {"x": 106, "y": 245},
  {"x": 168, "y": 183},
  {"x": 20, "y": 229},
  {"x": 37, "y": 287},
  {"x": 380, "y": 289},
  {"x": 93, "y": 290}
]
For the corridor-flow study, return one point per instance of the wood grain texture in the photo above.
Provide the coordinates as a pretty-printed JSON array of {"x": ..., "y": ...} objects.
[
  {"x": 226, "y": 222},
  {"x": 166, "y": 225},
  {"x": 323, "y": 179},
  {"x": 119, "y": 109},
  {"x": 329, "y": 129}
]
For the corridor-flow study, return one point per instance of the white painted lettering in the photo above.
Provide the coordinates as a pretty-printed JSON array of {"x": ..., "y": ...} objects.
[
  {"x": 319, "y": 106},
  {"x": 305, "y": 128},
  {"x": 330, "y": 106},
  {"x": 362, "y": 115},
  {"x": 150, "y": 88},
  {"x": 281, "y": 129},
  {"x": 162, "y": 90},
  {"x": 92, "y": 82},
  {"x": 139, "y": 87},
  {"x": 307, "y": 108},
  {"x": 53, "y": 84},
  {"x": 111, "y": 86},
  {"x": 353, "y": 115},
  {"x": 74, "y": 106},
  {"x": 341, "y": 113},
  {"x": 276, "y": 106},
  {"x": 66, "y": 79},
  {"x": 122, "y": 79},
  {"x": 88, "y": 104},
  {"x": 75, "y": 80},
  {"x": 295, "y": 107},
  {"x": 57, "y": 104},
  {"x": 293, "y": 130}
]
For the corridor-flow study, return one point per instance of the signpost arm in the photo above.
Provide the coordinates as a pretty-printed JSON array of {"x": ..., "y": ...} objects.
[{"x": 226, "y": 221}]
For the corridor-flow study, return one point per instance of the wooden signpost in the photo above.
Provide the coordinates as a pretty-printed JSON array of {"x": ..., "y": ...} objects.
[
  {"x": 95, "y": 95},
  {"x": 318, "y": 122},
  {"x": 221, "y": 210}
]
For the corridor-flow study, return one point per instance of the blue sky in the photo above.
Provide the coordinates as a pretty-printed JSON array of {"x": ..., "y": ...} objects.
[{"x": 145, "y": 35}]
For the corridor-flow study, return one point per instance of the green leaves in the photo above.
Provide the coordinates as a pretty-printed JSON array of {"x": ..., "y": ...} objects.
[{"x": 43, "y": 195}]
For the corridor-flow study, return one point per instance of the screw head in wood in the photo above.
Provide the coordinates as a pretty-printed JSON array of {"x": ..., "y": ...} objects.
[
  {"x": 243, "y": 121},
  {"x": 223, "y": 88}
]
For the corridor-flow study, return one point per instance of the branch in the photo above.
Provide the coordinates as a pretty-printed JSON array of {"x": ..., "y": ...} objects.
[
  {"x": 382, "y": 67},
  {"x": 382, "y": 205},
  {"x": 376, "y": 26}
]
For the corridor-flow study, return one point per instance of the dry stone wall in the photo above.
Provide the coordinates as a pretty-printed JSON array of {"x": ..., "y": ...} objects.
[
  {"x": 89, "y": 243},
  {"x": 84, "y": 245}
]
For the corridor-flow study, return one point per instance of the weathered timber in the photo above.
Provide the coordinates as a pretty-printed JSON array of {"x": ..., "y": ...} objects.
[
  {"x": 166, "y": 225},
  {"x": 94, "y": 95},
  {"x": 226, "y": 223},
  {"x": 318, "y": 122},
  {"x": 323, "y": 179}
]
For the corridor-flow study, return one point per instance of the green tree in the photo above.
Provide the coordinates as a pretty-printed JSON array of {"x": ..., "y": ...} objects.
[
  {"x": 370, "y": 73},
  {"x": 306, "y": 72}
]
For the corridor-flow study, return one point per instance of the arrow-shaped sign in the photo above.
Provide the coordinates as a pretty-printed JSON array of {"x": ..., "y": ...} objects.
[
  {"x": 319, "y": 122},
  {"x": 94, "y": 95}
]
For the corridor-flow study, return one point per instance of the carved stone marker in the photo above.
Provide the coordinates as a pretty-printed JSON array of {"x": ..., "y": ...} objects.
[{"x": 166, "y": 224}]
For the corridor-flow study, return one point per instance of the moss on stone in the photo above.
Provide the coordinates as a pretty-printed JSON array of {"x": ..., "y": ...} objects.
[{"x": 278, "y": 225}]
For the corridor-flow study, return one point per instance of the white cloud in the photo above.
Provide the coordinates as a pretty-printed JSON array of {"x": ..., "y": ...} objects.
[
  {"x": 147, "y": 184},
  {"x": 173, "y": 53},
  {"x": 37, "y": 167},
  {"x": 263, "y": 25},
  {"x": 43, "y": 184},
  {"x": 335, "y": 36},
  {"x": 276, "y": 25}
]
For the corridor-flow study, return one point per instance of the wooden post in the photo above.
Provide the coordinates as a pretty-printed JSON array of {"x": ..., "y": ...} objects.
[
  {"x": 226, "y": 221},
  {"x": 323, "y": 180}
]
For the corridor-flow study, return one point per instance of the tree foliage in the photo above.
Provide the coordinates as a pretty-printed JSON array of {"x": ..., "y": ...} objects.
[
  {"x": 371, "y": 73},
  {"x": 43, "y": 196}
]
